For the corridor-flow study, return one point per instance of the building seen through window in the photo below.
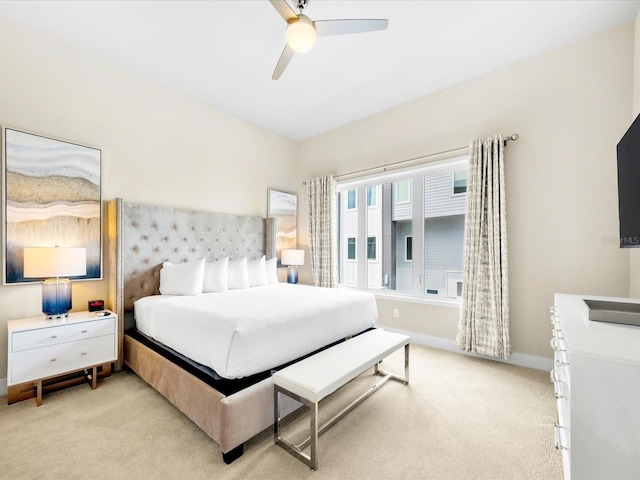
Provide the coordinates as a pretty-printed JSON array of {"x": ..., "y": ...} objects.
[{"x": 409, "y": 230}]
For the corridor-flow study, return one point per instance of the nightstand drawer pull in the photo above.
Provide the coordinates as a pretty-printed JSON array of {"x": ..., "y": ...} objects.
[
  {"x": 54, "y": 359},
  {"x": 83, "y": 353},
  {"x": 54, "y": 336},
  {"x": 83, "y": 331}
]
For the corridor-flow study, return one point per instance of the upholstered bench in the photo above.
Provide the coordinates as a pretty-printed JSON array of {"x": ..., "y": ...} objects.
[{"x": 312, "y": 379}]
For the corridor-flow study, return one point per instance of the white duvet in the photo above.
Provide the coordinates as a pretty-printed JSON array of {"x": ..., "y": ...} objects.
[{"x": 246, "y": 331}]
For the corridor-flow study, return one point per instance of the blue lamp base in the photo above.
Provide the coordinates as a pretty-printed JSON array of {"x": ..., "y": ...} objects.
[
  {"x": 292, "y": 274},
  {"x": 56, "y": 298}
]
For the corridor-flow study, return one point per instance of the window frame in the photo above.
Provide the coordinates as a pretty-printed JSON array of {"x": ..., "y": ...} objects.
[{"x": 416, "y": 195}]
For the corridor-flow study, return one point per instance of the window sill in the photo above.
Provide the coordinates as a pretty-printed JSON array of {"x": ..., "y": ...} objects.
[{"x": 402, "y": 297}]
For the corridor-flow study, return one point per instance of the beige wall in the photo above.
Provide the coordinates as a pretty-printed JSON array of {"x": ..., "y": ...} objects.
[
  {"x": 570, "y": 107},
  {"x": 158, "y": 146}
]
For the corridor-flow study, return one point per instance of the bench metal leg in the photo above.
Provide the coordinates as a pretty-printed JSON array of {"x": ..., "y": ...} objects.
[
  {"x": 296, "y": 450},
  {"x": 393, "y": 376},
  {"x": 314, "y": 436},
  {"x": 315, "y": 432}
]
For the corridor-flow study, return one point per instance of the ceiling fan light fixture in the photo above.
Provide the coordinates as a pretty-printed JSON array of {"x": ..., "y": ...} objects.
[{"x": 301, "y": 34}]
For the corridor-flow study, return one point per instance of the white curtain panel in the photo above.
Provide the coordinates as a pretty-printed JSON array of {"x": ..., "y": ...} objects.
[
  {"x": 323, "y": 230},
  {"x": 484, "y": 316}
]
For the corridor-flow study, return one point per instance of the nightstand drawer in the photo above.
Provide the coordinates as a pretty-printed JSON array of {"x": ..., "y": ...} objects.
[
  {"x": 53, "y": 360},
  {"x": 57, "y": 334}
]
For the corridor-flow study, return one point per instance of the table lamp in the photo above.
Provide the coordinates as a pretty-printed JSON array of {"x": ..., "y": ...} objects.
[
  {"x": 58, "y": 263},
  {"x": 292, "y": 258}
]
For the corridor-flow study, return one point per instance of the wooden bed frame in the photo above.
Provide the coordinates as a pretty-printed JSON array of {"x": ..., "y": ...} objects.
[{"x": 141, "y": 237}]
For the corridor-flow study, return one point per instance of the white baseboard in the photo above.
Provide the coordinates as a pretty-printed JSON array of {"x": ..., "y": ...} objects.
[{"x": 520, "y": 359}]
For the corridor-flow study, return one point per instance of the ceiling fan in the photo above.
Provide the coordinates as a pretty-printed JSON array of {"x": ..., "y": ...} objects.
[{"x": 302, "y": 31}]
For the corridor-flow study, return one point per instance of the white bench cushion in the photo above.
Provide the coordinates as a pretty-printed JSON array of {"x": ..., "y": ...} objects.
[{"x": 319, "y": 375}]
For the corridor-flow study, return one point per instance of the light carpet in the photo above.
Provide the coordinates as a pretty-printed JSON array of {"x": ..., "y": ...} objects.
[{"x": 460, "y": 417}]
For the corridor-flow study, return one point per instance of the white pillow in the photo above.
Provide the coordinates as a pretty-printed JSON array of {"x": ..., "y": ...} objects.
[
  {"x": 257, "y": 272},
  {"x": 215, "y": 276},
  {"x": 238, "y": 274},
  {"x": 182, "y": 279},
  {"x": 271, "y": 270}
]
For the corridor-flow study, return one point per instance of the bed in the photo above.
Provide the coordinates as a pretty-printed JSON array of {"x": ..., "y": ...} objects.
[{"x": 224, "y": 384}]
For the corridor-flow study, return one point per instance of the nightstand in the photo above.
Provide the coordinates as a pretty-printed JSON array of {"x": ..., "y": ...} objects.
[{"x": 48, "y": 352}]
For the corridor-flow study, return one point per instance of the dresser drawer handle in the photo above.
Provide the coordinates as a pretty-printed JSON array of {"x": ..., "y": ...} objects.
[
  {"x": 54, "y": 336},
  {"x": 557, "y": 391},
  {"x": 558, "y": 435},
  {"x": 83, "y": 353},
  {"x": 83, "y": 331},
  {"x": 54, "y": 359},
  {"x": 557, "y": 345},
  {"x": 556, "y": 377}
]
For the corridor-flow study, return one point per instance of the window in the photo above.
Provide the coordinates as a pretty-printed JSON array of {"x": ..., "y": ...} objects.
[
  {"x": 351, "y": 248},
  {"x": 371, "y": 248},
  {"x": 425, "y": 206},
  {"x": 408, "y": 248},
  {"x": 372, "y": 197},
  {"x": 459, "y": 182},
  {"x": 351, "y": 202},
  {"x": 402, "y": 191}
]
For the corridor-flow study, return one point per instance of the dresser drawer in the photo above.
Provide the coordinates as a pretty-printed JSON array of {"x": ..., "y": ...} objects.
[
  {"x": 61, "y": 358},
  {"x": 57, "y": 334}
]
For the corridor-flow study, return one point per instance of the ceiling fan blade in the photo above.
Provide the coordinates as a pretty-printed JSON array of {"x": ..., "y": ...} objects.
[
  {"x": 284, "y": 10},
  {"x": 325, "y": 28},
  {"x": 285, "y": 58}
]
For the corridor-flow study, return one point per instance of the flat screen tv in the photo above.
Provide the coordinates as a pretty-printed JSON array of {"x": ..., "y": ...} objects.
[{"x": 629, "y": 186}]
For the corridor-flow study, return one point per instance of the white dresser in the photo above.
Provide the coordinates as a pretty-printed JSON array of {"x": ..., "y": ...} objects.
[
  {"x": 596, "y": 376},
  {"x": 40, "y": 349}
]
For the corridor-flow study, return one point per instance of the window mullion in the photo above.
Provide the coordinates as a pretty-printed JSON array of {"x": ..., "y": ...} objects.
[
  {"x": 417, "y": 225},
  {"x": 361, "y": 242}
]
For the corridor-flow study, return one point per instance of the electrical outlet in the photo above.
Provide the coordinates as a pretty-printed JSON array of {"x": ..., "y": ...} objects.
[{"x": 396, "y": 313}]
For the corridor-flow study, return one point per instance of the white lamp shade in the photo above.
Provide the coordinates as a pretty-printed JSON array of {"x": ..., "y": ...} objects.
[
  {"x": 47, "y": 262},
  {"x": 301, "y": 34},
  {"x": 292, "y": 257}
]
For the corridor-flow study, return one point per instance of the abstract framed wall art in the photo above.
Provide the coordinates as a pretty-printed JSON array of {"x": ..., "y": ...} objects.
[
  {"x": 51, "y": 197},
  {"x": 283, "y": 208}
]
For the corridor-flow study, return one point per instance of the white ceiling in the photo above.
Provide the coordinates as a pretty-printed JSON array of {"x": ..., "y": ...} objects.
[{"x": 223, "y": 52}]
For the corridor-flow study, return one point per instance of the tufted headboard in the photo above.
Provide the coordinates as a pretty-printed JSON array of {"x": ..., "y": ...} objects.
[{"x": 141, "y": 237}]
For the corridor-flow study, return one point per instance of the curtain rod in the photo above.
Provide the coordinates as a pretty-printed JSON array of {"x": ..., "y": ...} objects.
[{"x": 393, "y": 165}]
